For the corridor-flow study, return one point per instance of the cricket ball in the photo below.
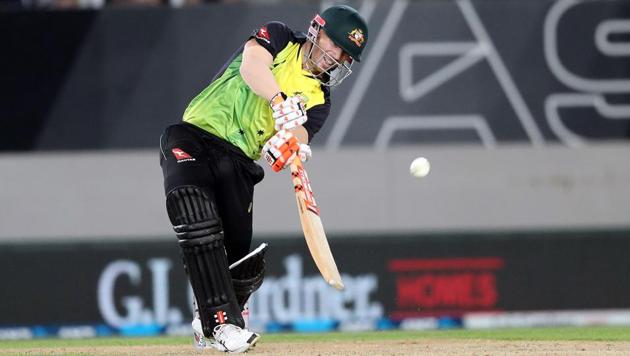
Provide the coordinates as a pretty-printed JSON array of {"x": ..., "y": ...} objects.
[{"x": 420, "y": 167}]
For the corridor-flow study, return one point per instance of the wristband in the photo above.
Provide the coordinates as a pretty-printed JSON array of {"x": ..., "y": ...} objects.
[{"x": 278, "y": 98}]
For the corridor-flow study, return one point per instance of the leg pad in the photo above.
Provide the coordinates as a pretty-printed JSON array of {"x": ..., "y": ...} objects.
[
  {"x": 200, "y": 237},
  {"x": 248, "y": 274}
]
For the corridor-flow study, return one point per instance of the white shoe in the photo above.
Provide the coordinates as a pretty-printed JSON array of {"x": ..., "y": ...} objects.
[
  {"x": 200, "y": 342},
  {"x": 233, "y": 338}
]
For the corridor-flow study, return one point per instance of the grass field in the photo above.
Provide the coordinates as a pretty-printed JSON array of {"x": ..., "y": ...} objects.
[{"x": 592, "y": 340}]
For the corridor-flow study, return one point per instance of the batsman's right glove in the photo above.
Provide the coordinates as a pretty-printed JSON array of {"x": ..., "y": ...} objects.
[
  {"x": 280, "y": 150},
  {"x": 288, "y": 112}
]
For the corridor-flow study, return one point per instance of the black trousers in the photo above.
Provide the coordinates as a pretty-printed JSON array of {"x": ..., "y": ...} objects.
[{"x": 191, "y": 156}]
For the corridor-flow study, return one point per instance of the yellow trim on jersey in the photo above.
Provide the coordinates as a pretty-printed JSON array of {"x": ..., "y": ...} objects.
[{"x": 287, "y": 69}]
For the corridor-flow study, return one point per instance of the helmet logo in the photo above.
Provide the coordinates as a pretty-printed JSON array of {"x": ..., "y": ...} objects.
[{"x": 357, "y": 37}]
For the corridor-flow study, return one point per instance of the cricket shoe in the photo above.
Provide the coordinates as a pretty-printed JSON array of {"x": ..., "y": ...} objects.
[
  {"x": 233, "y": 338},
  {"x": 200, "y": 342},
  {"x": 227, "y": 338}
]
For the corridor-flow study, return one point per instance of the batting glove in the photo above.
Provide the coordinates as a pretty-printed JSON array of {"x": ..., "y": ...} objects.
[
  {"x": 287, "y": 112},
  {"x": 305, "y": 152},
  {"x": 281, "y": 150}
]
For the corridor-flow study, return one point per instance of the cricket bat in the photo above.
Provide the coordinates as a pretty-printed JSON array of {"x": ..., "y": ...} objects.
[{"x": 312, "y": 226}]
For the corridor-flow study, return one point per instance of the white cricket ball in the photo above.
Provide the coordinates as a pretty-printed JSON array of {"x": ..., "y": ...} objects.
[{"x": 420, "y": 167}]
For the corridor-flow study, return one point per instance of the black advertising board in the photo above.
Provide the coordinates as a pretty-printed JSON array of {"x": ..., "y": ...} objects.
[{"x": 123, "y": 283}]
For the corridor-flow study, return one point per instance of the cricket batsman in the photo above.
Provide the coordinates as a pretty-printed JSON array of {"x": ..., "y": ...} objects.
[{"x": 269, "y": 100}]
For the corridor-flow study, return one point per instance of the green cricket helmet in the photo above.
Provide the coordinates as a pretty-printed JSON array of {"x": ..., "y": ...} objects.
[{"x": 348, "y": 30}]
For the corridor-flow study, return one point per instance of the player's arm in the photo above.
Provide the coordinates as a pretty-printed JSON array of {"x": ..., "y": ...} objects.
[
  {"x": 300, "y": 133},
  {"x": 288, "y": 112},
  {"x": 256, "y": 72}
]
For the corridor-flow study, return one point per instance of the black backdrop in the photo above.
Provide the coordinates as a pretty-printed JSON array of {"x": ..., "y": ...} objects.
[{"x": 96, "y": 79}]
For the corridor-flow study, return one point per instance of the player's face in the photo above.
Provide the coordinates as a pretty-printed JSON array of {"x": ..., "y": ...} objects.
[
  {"x": 327, "y": 55},
  {"x": 324, "y": 59}
]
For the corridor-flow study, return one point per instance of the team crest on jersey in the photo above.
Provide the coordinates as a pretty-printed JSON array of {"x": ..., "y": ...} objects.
[
  {"x": 263, "y": 34},
  {"x": 182, "y": 156},
  {"x": 357, "y": 37}
]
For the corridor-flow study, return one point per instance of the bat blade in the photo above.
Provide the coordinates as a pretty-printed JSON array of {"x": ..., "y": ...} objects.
[{"x": 314, "y": 233}]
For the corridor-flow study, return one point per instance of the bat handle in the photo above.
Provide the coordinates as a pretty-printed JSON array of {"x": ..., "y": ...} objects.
[
  {"x": 296, "y": 164},
  {"x": 297, "y": 161}
]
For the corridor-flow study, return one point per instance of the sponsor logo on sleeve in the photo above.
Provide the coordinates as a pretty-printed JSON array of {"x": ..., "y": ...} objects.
[
  {"x": 182, "y": 156},
  {"x": 263, "y": 34}
]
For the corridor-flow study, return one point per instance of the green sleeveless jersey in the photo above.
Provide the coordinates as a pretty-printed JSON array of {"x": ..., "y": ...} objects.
[{"x": 230, "y": 110}]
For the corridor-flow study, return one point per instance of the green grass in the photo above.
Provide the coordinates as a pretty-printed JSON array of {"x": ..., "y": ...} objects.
[
  {"x": 102, "y": 341},
  {"x": 540, "y": 334},
  {"x": 566, "y": 333}
]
